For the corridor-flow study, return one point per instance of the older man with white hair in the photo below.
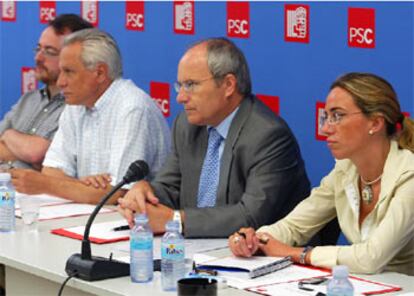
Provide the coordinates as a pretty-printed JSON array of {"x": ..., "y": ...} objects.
[{"x": 109, "y": 122}]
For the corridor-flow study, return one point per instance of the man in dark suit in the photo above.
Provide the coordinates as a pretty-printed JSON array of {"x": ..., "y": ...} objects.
[{"x": 260, "y": 174}]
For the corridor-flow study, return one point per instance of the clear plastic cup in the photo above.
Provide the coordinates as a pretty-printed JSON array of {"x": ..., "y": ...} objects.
[{"x": 29, "y": 207}]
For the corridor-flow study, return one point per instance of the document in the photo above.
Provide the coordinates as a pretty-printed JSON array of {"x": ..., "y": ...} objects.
[
  {"x": 291, "y": 273},
  {"x": 65, "y": 210},
  {"x": 103, "y": 232},
  {"x": 290, "y": 289},
  {"x": 43, "y": 199},
  {"x": 361, "y": 287}
]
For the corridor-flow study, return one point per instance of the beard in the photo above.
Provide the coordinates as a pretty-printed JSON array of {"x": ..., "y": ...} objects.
[{"x": 44, "y": 75}]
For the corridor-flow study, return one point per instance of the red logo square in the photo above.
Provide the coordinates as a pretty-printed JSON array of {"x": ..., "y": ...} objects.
[
  {"x": 8, "y": 11},
  {"x": 270, "y": 101},
  {"x": 134, "y": 16},
  {"x": 29, "y": 81},
  {"x": 160, "y": 93},
  {"x": 297, "y": 23},
  {"x": 238, "y": 19},
  {"x": 320, "y": 112},
  {"x": 361, "y": 27},
  {"x": 184, "y": 17},
  {"x": 90, "y": 12},
  {"x": 47, "y": 11}
]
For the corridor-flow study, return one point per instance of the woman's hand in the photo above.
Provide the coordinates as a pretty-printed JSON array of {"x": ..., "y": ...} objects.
[
  {"x": 244, "y": 243},
  {"x": 276, "y": 248}
]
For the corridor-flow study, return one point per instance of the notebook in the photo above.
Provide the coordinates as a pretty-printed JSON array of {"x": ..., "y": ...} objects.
[{"x": 255, "y": 266}]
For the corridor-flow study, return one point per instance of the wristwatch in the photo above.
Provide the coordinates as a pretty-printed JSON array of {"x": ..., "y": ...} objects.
[
  {"x": 177, "y": 217},
  {"x": 302, "y": 257}
]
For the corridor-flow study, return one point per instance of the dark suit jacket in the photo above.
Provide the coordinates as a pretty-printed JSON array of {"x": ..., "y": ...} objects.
[{"x": 262, "y": 174}]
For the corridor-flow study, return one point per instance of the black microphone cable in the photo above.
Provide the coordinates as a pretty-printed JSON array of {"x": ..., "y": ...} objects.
[{"x": 65, "y": 282}]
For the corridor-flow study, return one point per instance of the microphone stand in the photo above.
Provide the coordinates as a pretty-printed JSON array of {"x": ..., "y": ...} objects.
[
  {"x": 89, "y": 268},
  {"x": 86, "y": 243}
]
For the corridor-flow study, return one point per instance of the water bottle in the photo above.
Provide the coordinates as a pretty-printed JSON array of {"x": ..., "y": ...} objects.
[
  {"x": 172, "y": 256},
  {"x": 141, "y": 244},
  {"x": 340, "y": 285},
  {"x": 7, "y": 203}
]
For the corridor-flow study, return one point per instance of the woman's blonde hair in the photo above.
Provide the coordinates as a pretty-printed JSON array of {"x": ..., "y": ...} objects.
[{"x": 374, "y": 95}]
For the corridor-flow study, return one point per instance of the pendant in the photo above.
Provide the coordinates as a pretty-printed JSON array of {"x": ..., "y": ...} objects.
[{"x": 367, "y": 194}]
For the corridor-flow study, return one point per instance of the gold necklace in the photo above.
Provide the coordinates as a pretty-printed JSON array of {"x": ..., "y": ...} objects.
[{"x": 367, "y": 194}]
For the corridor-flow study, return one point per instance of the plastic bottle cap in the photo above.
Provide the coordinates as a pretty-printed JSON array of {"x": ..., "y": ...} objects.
[
  {"x": 340, "y": 271},
  {"x": 141, "y": 218},
  {"x": 4, "y": 177},
  {"x": 172, "y": 225}
]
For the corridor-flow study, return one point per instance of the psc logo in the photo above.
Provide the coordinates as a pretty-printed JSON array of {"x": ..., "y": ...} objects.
[
  {"x": 361, "y": 36},
  {"x": 134, "y": 15},
  {"x": 184, "y": 17},
  {"x": 160, "y": 93},
  {"x": 361, "y": 27},
  {"x": 319, "y": 114},
  {"x": 47, "y": 11},
  {"x": 8, "y": 11},
  {"x": 238, "y": 19},
  {"x": 135, "y": 21},
  {"x": 29, "y": 81},
  {"x": 89, "y": 11},
  {"x": 238, "y": 27},
  {"x": 297, "y": 23}
]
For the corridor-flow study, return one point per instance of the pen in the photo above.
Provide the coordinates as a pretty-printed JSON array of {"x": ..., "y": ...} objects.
[
  {"x": 262, "y": 240},
  {"x": 311, "y": 281},
  {"x": 301, "y": 287},
  {"x": 120, "y": 228}
]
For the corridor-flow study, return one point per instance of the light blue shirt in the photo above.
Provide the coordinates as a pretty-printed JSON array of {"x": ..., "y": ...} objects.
[{"x": 223, "y": 130}]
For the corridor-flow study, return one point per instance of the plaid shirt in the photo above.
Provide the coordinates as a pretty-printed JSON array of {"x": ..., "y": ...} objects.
[
  {"x": 124, "y": 125},
  {"x": 34, "y": 114}
]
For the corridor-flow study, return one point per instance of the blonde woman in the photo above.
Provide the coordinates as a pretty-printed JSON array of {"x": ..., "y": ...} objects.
[{"x": 370, "y": 189}]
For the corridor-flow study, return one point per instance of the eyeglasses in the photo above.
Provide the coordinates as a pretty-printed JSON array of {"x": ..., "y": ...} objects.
[
  {"x": 47, "y": 51},
  {"x": 189, "y": 85},
  {"x": 334, "y": 118}
]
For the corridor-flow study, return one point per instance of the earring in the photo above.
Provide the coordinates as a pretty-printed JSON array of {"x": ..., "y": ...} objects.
[{"x": 371, "y": 132}]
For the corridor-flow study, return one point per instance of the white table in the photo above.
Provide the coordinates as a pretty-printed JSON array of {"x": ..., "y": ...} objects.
[{"x": 35, "y": 264}]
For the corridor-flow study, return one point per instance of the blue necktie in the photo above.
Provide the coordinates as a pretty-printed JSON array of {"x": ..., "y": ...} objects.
[{"x": 210, "y": 172}]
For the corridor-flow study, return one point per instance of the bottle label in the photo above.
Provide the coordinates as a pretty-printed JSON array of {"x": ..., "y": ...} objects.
[
  {"x": 7, "y": 220},
  {"x": 138, "y": 244},
  {"x": 172, "y": 251},
  {"x": 6, "y": 196}
]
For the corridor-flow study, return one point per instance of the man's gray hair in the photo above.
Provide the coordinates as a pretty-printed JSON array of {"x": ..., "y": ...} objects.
[
  {"x": 224, "y": 57},
  {"x": 97, "y": 47}
]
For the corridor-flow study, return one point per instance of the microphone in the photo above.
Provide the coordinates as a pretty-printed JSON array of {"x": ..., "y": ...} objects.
[{"x": 92, "y": 268}]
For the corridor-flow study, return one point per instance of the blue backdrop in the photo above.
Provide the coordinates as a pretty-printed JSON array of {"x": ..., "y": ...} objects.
[{"x": 298, "y": 73}]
